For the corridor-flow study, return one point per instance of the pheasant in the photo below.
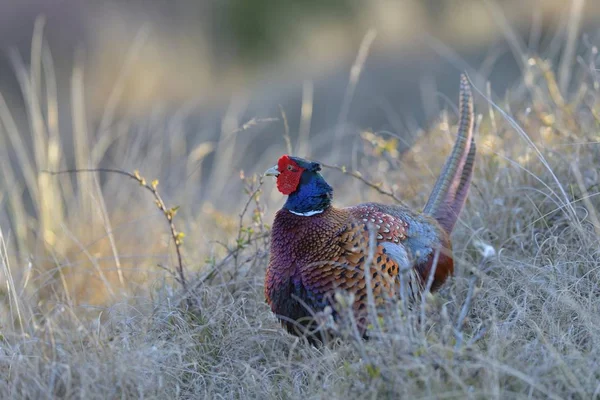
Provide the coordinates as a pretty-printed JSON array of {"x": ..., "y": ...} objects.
[{"x": 318, "y": 249}]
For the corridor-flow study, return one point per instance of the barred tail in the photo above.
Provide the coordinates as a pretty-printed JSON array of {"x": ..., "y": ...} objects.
[{"x": 450, "y": 191}]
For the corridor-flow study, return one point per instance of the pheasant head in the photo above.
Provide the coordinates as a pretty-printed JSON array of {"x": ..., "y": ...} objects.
[{"x": 308, "y": 192}]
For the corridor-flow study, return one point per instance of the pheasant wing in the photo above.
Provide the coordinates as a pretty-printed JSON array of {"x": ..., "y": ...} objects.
[{"x": 345, "y": 269}]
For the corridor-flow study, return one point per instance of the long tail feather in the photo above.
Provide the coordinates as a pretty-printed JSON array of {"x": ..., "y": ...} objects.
[{"x": 450, "y": 191}]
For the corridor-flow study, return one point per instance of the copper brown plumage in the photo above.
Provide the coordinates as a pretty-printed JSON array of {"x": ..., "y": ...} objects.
[{"x": 318, "y": 249}]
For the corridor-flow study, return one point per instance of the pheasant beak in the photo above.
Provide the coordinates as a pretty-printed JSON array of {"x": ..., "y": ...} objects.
[{"x": 273, "y": 171}]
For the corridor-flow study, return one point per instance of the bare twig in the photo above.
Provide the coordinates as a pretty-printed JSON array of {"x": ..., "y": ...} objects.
[
  {"x": 251, "y": 197},
  {"x": 358, "y": 175},
  {"x": 251, "y": 124},
  {"x": 240, "y": 242},
  {"x": 216, "y": 267},
  {"x": 169, "y": 213},
  {"x": 481, "y": 333}
]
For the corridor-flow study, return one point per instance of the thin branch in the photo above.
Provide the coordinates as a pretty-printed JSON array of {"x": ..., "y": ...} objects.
[
  {"x": 169, "y": 213},
  {"x": 251, "y": 124},
  {"x": 216, "y": 267},
  {"x": 251, "y": 197},
  {"x": 358, "y": 175}
]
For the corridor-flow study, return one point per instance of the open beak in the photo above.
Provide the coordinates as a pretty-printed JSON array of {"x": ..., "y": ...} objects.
[{"x": 273, "y": 171}]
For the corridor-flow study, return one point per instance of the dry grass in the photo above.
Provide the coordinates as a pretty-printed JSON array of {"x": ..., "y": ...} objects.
[{"x": 88, "y": 314}]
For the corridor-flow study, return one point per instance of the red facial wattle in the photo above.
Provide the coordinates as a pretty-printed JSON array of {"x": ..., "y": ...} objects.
[{"x": 289, "y": 175}]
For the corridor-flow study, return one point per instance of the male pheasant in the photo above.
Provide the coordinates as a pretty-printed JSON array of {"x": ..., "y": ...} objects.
[{"x": 318, "y": 249}]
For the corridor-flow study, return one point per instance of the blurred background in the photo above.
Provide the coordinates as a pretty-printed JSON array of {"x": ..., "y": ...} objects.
[
  {"x": 193, "y": 92},
  {"x": 206, "y": 51}
]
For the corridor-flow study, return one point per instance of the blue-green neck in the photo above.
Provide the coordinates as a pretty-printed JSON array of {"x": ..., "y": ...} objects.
[{"x": 312, "y": 196}]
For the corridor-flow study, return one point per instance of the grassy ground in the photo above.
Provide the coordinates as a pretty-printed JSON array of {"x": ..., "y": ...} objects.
[{"x": 91, "y": 309}]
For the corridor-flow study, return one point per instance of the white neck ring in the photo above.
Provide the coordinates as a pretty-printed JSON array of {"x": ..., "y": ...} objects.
[{"x": 306, "y": 214}]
